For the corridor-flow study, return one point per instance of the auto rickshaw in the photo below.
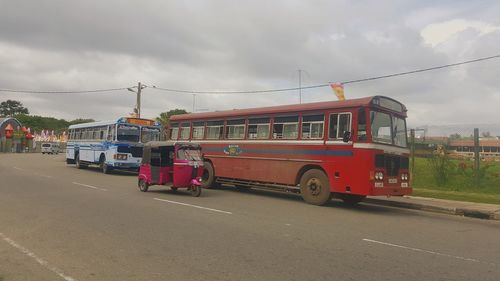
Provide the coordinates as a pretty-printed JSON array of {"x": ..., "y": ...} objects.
[{"x": 177, "y": 164}]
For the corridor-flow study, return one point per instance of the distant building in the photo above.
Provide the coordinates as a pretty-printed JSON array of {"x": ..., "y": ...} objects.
[{"x": 488, "y": 148}]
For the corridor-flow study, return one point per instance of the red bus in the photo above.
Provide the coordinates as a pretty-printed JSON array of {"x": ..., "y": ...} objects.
[{"x": 345, "y": 149}]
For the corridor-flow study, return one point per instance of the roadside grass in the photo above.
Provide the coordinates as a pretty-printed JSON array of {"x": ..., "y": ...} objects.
[{"x": 460, "y": 184}]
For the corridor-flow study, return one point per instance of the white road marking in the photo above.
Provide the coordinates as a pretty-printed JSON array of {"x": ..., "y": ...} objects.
[
  {"x": 428, "y": 252},
  {"x": 36, "y": 258},
  {"x": 90, "y": 186},
  {"x": 17, "y": 168},
  {"x": 45, "y": 176},
  {"x": 194, "y": 206}
]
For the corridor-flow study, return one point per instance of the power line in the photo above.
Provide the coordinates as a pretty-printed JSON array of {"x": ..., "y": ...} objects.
[
  {"x": 65, "y": 92},
  {"x": 327, "y": 84},
  {"x": 420, "y": 70},
  {"x": 255, "y": 91},
  {"x": 237, "y": 92}
]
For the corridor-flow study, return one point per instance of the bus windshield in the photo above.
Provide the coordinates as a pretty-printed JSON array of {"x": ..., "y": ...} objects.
[
  {"x": 388, "y": 129},
  {"x": 128, "y": 133},
  {"x": 150, "y": 134}
]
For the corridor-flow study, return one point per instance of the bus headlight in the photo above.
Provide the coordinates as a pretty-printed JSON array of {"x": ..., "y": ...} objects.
[
  {"x": 379, "y": 176},
  {"x": 404, "y": 177},
  {"x": 120, "y": 156}
]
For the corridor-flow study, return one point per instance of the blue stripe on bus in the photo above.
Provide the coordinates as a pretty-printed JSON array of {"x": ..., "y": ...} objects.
[{"x": 287, "y": 151}]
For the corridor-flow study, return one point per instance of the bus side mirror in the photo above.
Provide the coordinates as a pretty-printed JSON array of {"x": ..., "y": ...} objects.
[{"x": 347, "y": 136}]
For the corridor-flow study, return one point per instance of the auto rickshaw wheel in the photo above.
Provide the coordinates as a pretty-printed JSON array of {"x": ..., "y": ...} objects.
[
  {"x": 143, "y": 185},
  {"x": 195, "y": 190}
]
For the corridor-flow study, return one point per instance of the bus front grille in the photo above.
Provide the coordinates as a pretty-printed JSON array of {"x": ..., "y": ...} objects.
[
  {"x": 136, "y": 151},
  {"x": 391, "y": 163}
]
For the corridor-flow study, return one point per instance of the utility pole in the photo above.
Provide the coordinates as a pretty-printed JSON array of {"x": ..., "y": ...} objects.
[
  {"x": 476, "y": 156},
  {"x": 139, "y": 88},
  {"x": 138, "y": 102}
]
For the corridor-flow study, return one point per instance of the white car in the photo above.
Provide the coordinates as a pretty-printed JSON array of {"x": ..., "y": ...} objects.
[{"x": 50, "y": 148}]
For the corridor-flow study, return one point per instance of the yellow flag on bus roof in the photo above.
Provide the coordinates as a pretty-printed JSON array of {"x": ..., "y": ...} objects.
[{"x": 338, "y": 89}]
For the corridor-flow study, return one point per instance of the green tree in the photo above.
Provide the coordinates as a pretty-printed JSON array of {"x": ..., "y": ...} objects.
[
  {"x": 164, "y": 119},
  {"x": 80, "y": 121},
  {"x": 455, "y": 136},
  {"x": 11, "y": 108}
]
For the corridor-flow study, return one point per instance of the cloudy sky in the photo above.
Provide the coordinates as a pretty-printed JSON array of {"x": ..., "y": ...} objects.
[{"x": 221, "y": 45}]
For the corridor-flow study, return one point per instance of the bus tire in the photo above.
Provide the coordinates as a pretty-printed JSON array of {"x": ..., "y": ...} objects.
[
  {"x": 315, "y": 187},
  {"x": 208, "y": 177},
  {"x": 102, "y": 164},
  {"x": 79, "y": 164},
  {"x": 351, "y": 199},
  {"x": 143, "y": 185}
]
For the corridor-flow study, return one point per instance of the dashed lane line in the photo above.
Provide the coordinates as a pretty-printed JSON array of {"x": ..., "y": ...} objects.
[
  {"x": 429, "y": 252},
  {"x": 39, "y": 260},
  {"x": 89, "y": 186},
  {"x": 194, "y": 206}
]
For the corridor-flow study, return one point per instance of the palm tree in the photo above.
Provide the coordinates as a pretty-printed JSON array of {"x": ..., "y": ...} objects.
[{"x": 164, "y": 118}]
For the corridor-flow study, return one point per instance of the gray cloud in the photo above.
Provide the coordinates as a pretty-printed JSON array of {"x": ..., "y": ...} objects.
[{"x": 234, "y": 45}]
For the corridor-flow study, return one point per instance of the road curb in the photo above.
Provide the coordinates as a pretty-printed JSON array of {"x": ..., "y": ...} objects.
[{"x": 466, "y": 212}]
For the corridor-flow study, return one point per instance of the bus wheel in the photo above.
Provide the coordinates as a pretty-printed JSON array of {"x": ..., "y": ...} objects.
[
  {"x": 174, "y": 189},
  {"x": 208, "y": 177},
  {"x": 79, "y": 164},
  {"x": 104, "y": 168},
  {"x": 315, "y": 187},
  {"x": 351, "y": 199},
  {"x": 143, "y": 185}
]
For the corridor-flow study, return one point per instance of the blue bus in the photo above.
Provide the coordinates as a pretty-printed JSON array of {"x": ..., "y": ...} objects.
[{"x": 110, "y": 144}]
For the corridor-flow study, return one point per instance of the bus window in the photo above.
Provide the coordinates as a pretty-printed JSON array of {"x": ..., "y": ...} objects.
[
  {"x": 128, "y": 133},
  {"x": 381, "y": 127},
  {"x": 312, "y": 126},
  {"x": 215, "y": 130},
  {"x": 150, "y": 134},
  {"x": 286, "y": 127},
  {"x": 198, "y": 130},
  {"x": 111, "y": 133},
  {"x": 185, "y": 130},
  {"x": 258, "y": 128},
  {"x": 399, "y": 129},
  {"x": 174, "y": 131},
  {"x": 339, "y": 124},
  {"x": 235, "y": 129}
]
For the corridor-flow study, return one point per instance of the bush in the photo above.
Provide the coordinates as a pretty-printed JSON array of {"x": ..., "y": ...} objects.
[{"x": 441, "y": 166}]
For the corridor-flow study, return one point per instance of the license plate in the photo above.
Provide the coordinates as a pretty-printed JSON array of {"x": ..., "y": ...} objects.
[
  {"x": 379, "y": 184},
  {"x": 393, "y": 180},
  {"x": 404, "y": 184}
]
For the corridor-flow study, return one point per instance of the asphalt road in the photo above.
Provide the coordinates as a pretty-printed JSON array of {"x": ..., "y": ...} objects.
[{"x": 61, "y": 223}]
